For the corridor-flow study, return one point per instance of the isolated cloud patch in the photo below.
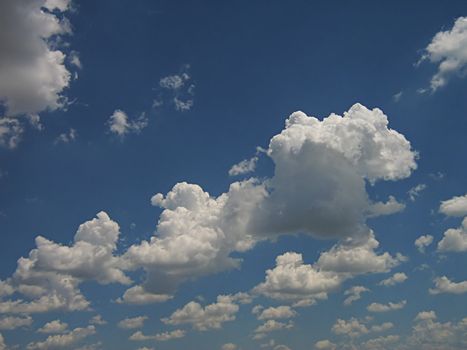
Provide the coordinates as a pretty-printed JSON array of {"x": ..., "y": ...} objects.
[{"x": 448, "y": 49}]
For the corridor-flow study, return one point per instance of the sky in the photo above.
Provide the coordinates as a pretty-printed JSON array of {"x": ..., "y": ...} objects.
[{"x": 233, "y": 175}]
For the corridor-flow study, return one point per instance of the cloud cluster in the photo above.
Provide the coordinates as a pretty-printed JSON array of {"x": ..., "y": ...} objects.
[
  {"x": 397, "y": 278},
  {"x": 454, "y": 239},
  {"x": 354, "y": 294},
  {"x": 121, "y": 125},
  {"x": 377, "y": 307},
  {"x": 445, "y": 285},
  {"x": 63, "y": 340},
  {"x": 422, "y": 242},
  {"x": 178, "y": 89}
]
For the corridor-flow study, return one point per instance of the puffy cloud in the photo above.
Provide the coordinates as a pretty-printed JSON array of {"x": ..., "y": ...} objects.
[
  {"x": 11, "y": 131},
  {"x": 397, "y": 278},
  {"x": 422, "y": 242},
  {"x": 229, "y": 346},
  {"x": 318, "y": 188},
  {"x": 138, "y": 295},
  {"x": 133, "y": 322},
  {"x": 165, "y": 336},
  {"x": 325, "y": 345},
  {"x": 63, "y": 340},
  {"x": 178, "y": 89},
  {"x": 32, "y": 72},
  {"x": 377, "y": 307},
  {"x": 54, "y": 327},
  {"x": 204, "y": 318},
  {"x": 429, "y": 334},
  {"x": 97, "y": 320},
  {"x": 381, "y": 343},
  {"x": 448, "y": 50},
  {"x": 52, "y": 272},
  {"x": 278, "y": 312},
  {"x": 392, "y": 206},
  {"x": 67, "y": 137},
  {"x": 382, "y": 327},
  {"x": 456, "y": 206},
  {"x": 454, "y": 239},
  {"x": 354, "y": 294},
  {"x": 244, "y": 167},
  {"x": 12, "y": 322},
  {"x": 352, "y": 328},
  {"x": 445, "y": 285},
  {"x": 175, "y": 334},
  {"x": 414, "y": 192},
  {"x": 291, "y": 279},
  {"x": 120, "y": 124},
  {"x": 273, "y": 325},
  {"x": 2, "y": 342}
]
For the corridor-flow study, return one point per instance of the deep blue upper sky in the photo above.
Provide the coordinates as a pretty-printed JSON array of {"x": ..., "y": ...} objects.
[{"x": 252, "y": 63}]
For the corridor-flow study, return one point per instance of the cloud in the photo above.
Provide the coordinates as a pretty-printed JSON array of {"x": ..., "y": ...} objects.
[
  {"x": 97, "y": 320},
  {"x": 414, "y": 192},
  {"x": 120, "y": 125},
  {"x": 456, "y": 206},
  {"x": 229, "y": 346},
  {"x": 165, "y": 336},
  {"x": 244, "y": 167},
  {"x": 33, "y": 75},
  {"x": 204, "y": 318},
  {"x": 325, "y": 345},
  {"x": 64, "y": 340},
  {"x": 50, "y": 276},
  {"x": 377, "y": 307},
  {"x": 293, "y": 280},
  {"x": 279, "y": 312},
  {"x": 454, "y": 239},
  {"x": 445, "y": 285},
  {"x": 133, "y": 322},
  {"x": 318, "y": 188},
  {"x": 178, "y": 89},
  {"x": 397, "y": 278},
  {"x": 54, "y": 327},
  {"x": 272, "y": 326},
  {"x": 381, "y": 343},
  {"x": 12, "y": 322},
  {"x": 422, "y": 242},
  {"x": 352, "y": 328},
  {"x": 392, "y": 206},
  {"x": 2, "y": 342},
  {"x": 68, "y": 137},
  {"x": 138, "y": 295},
  {"x": 447, "y": 49},
  {"x": 354, "y": 294}
]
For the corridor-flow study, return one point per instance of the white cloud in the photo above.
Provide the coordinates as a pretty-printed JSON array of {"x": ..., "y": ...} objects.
[
  {"x": 97, "y": 320},
  {"x": 381, "y": 343},
  {"x": 11, "y": 131},
  {"x": 377, "y": 307},
  {"x": 397, "y": 278},
  {"x": 382, "y": 327},
  {"x": 422, "y": 242},
  {"x": 229, "y": 346},
  {"x": 448, "y": 49},
  {"x": 52, "y": 272},
  {"x": 279, "y": 312},
  {"x": 63, "y": 340},
  {"x": 165, "y": 336},
  {"x": 244, "y": 167},
  {"x": 138, "y": 295},
  {"x": 66, "y": 137},
  {"x": 445, "y": 285},
  {"x": 352, "y": 328},
  {"x": 325, "y": 345},
  {"x": 32, "y": 74},
  {"x": 2, "y": 342},
  {"x": 414, "y": 192},
  {"x": 456, "y": 206},
  {"x": 12, "y": 322},
  {"x": 354, "y": 294},
  {"x": 204, "y": 318},
  {"x": 454, "y": 239},
  {"x": 180, "y": 90},
  {"x": 272, "y": 326},
  {"x": 392, "y": 206},
  {"x": 120, "y": 124},
  {"x": 133, "y": 322},
  {"x": 54, "y": 327},
  {"x": 318, "y": 188}
]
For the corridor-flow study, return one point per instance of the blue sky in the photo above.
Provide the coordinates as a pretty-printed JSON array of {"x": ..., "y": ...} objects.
[{"x": 213, "y": 213}]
